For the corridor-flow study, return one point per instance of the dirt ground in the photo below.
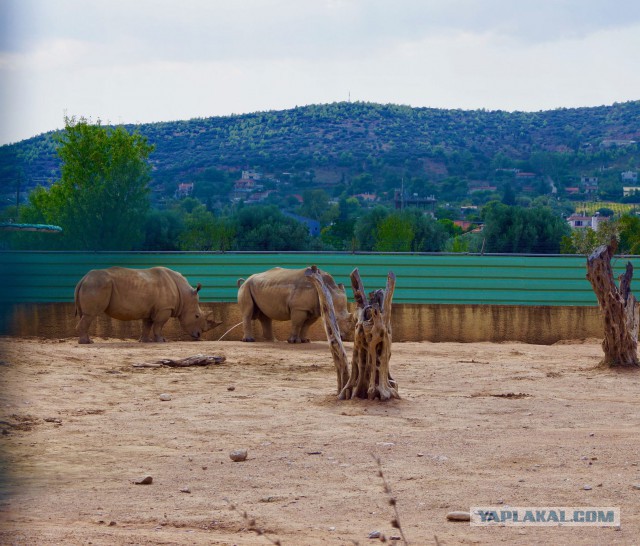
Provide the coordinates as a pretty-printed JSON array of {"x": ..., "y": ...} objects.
[{"x": 478, "y": 424}]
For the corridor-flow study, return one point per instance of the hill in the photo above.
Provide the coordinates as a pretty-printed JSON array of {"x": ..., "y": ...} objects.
[{"x": 365, "y": 147}]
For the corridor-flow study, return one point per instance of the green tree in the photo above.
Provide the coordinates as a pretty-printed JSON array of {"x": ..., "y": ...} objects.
[
  {"x": 339, "y": 235},
  {"x": 315, "y": 204},
  {"x": 519, "y": 230},
  {"x": 102, "y": 198},
  {"x": 205, "y": 232},
  {"x": 366, "y": 227},
  {"x": 162, "y": 230},
  {"x": 266, "y": 228},
  {"x": 410, "y": 230},
  {"x": 394, "y": 234},
  {"x": 508, "y": 195},
  {"x": 629, "y": 230},
  {"x": 586, "y": 240},
  {"x": 452, "y": 229},
  {"x": 429, "y": 234}
]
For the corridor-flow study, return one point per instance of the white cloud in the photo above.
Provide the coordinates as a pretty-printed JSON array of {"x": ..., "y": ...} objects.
[{"x": 153, "y": 60}]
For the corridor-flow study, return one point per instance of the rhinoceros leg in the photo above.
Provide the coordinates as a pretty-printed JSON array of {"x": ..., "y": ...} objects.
[
  {"x": 159, "y": 320},
  {"x": 267, "y": 329},
  {"x": 298, "y": 320},
  {"x": 304, "y": 332},
  {"x": 157, "y": 332},
  {"x": 83, "y": 329},
  {"x": 145, "y": 336}
]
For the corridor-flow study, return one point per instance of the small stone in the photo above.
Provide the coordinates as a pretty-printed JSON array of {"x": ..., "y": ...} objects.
[
  {"x": 112, "y": 524},
  {"x": 395, "y": 537},
  {"x": 375, "y": 534},
  {"x": 332, "y": 528},
  {"x": 165, "y": 397},
  {"x": 420, "y": 455},
  {"x": 144, "y": 481},
  {"x": 636, "y": 486},
  {"x": 238, "y": 455},
  {"x": 231, "y": 388},
  {"x": 459, "y": 516},
  {"x": 500, "y": 501},
  {"x": 587, "y": 488},
  {"x": 584, "y": 458},
  {"x": 592, "y": 434},
  {"x": 185, "y": 490}
]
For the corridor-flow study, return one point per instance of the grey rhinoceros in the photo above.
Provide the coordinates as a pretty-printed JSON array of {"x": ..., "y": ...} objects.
[
  {"x": 287, "y": 294},
  {"x": 153, "y": 295}
]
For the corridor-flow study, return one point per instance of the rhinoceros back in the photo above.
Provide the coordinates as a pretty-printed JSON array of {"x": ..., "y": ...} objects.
[
  {"x": 129, "y": 294},
  {"x": 277, "y": 291}
]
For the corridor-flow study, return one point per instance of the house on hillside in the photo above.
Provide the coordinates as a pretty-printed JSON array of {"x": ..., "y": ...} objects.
[
  {"x": 403, "y": 200},
  {"x": 465, "y": 225},
  {"x": 525, "y": 175},
  {"x": 580, "y": 221},
  {"x": 481, "y": 186},
  {"x": 630, "y": 190},
  {"x": 629, "y": 176},
  {"x": 184, "y": 190},
  {"x": 366, "y": 197},
  {"x": 589, "y": 184},
  {"x": 613, "y": 142},
  {"x": 258, "y": 197},
  {"x": 251, "y": 175},
  {"x": 244, "y": 187}
]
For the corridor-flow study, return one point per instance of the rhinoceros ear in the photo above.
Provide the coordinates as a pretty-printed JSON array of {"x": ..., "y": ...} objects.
[
  {"x": 197, "y": 289},
  {"x": 341, "y": 287}
]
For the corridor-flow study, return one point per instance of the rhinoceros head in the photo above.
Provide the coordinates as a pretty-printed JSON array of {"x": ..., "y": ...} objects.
[
  {"x": 192, "y": 319},
  {"x": 346, "y": 321}
]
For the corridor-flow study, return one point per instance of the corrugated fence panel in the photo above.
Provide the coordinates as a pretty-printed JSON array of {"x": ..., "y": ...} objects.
[{"x": 43, "y": 277}]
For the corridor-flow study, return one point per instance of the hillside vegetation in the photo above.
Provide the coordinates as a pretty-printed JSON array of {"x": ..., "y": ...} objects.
[{"x": 362, "y": 147}]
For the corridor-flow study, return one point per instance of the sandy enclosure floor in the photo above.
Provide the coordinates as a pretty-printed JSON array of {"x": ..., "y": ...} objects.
[{"x": 478, "y": 424}]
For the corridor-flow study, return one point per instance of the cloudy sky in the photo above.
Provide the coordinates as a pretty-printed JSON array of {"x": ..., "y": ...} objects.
[{"x": 127, "y": 61}]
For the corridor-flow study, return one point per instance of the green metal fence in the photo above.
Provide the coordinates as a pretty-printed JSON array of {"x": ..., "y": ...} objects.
[{"x": 43, "y": 277}]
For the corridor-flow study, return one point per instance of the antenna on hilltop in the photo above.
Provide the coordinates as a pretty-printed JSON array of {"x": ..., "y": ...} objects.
[{"x": 349, "y": 95}]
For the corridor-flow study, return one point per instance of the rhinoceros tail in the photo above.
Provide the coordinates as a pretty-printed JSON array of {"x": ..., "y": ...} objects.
[
  {"x": 76, "y": 299},
  {"x": 240, "y": 282}
]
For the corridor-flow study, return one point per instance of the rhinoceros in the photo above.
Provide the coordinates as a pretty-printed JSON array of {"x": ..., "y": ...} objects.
[
  {"x": 286, "y": 294},
  {"x": 153, "y": 295}
]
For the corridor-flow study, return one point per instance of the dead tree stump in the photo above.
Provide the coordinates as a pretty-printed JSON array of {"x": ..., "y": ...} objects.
[
  {"x": 369, "y": 375},
  {"x": 619, "y": 308}
]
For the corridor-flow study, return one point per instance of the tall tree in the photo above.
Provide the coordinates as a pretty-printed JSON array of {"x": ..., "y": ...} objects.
[
  {"x": 204, "y": 231},
  {"x": 266, "y": 228},
  {"x": 315, "y": 204},
  {"x": 519, "y": 230},
  {"x": 102, "y": 198},
  {"x": 366, "y": 228},
  {"x": 629, "y": 234},
  {"x": 394, "y": 234}
]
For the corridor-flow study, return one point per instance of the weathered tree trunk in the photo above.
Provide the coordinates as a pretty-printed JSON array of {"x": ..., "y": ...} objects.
[
  {"x": 619, "y": 307},
  {"x": 369, "y": 375}
]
